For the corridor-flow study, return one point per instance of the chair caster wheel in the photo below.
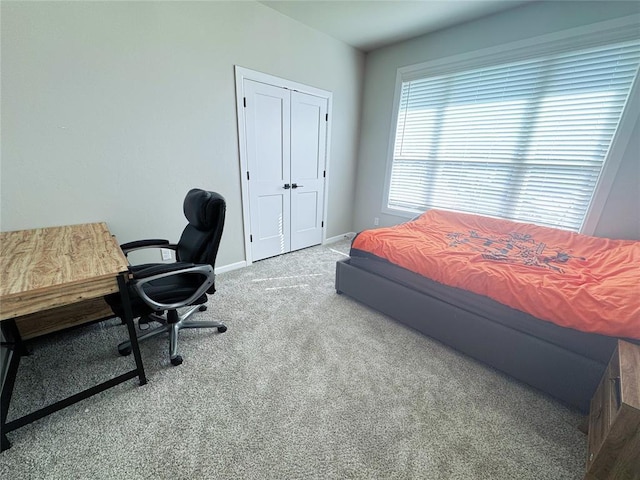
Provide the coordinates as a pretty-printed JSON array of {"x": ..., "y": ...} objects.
[
  {"x": 222, "y": 328},
  {"x": 124, "y": 350},
  {"x": 177, "y": 360},
  {"x": 202, "y": 308}
]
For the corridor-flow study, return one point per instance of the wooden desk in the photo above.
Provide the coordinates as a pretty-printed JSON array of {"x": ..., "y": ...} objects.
[{"x": 46, "y": 272}]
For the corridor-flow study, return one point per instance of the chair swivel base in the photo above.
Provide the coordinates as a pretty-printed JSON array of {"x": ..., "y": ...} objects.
[{"x": 172, "y": 324}]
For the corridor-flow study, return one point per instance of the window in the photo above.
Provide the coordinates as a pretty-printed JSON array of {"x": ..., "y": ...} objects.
[{"x": 524, "y": 140}]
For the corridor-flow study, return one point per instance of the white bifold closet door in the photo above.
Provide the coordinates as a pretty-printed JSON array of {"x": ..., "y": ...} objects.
[{"x": 286, "y": 133}]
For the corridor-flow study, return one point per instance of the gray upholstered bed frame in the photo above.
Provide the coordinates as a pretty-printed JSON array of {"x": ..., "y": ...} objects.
[{"x": 547, "y": 361}]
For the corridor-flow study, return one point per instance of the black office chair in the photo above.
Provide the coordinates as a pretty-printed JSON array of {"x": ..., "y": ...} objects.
[{"x": 166, "y": 287}]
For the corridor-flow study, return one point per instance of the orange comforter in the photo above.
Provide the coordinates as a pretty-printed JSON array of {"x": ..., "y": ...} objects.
[{"x": 586, "y": 283}]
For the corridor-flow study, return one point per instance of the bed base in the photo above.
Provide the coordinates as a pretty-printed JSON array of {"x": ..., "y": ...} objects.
[{"x": 563, "y": 374}]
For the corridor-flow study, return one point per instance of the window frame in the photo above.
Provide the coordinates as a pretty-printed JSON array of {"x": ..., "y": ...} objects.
[{"x": 603, "y": 33}]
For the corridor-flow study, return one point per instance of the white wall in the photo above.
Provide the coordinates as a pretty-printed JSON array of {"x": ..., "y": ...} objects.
[
  {"x": 621, "y": 214},
  {"x": 112, "y": 111}
]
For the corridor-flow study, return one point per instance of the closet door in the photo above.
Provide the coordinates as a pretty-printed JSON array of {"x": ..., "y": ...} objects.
[
  {"x": 308, "y": 148},
  {"x": 267, "y": 129},
  {"x": 283, "y": 146}
]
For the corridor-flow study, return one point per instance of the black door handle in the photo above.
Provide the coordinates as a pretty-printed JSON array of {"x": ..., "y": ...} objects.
[
  {"x": 287, "y": 186},
  {"x": 295, "y": 185}
]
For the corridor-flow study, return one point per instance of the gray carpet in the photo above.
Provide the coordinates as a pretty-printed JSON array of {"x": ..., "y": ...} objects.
[{"x": 304, "y": 384}]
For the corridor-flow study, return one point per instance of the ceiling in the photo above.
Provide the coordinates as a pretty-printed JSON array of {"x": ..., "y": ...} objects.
[{"x": 370, "y": 24}]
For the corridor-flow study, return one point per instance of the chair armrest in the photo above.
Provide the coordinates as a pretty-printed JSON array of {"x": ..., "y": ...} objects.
[
  {"x": 156, "y": 272},
  {"x": 151, "y": 243}
]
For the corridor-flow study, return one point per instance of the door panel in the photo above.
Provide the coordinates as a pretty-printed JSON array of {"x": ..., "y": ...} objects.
[
  {"x": 269, "y": 149},
  {"x": 269, "y": 237},
  {"x": 305, "y": 137},
  {"x": 308, "y": 148},
  {"x": 267, "y": 123},
  {"x": 305, "y": 211}
]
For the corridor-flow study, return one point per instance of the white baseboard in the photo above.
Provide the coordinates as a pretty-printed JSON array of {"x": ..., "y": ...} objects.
[
  {"x": 231, "y": 267},
  {"x": 337, "y": 238}
]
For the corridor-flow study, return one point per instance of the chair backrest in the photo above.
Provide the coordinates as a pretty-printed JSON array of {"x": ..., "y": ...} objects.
[{"x": 200, "y": 240}]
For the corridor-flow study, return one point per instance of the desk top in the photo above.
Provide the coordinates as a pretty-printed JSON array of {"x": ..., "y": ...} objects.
[{"x": 49, "y": 267}]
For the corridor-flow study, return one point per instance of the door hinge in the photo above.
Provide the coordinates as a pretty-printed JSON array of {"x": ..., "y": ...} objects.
[
  {"x": 251, "y": 238},
  {"x": 322, "y": 224},
  {"x": 324, "y": 174},
  {"x": 326, "y": 117},
  {"x": 247, "y": 174},
  {"x": 244, "y": 101}
]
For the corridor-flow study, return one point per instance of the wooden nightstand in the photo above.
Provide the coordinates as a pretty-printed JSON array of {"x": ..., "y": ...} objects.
[{"x": 614, "y": 419}]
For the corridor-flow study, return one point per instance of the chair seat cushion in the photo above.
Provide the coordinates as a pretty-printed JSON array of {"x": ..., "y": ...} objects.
[{"x": 173, "y": 289}]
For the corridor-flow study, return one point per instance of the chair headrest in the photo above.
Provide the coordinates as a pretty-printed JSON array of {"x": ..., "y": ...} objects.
[{"x": 203, "y": 208}]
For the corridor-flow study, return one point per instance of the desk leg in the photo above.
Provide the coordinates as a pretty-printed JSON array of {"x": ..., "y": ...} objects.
[
  {"x": 16, "y": 350},
  {"x": 13, "y": 342},
  {"x": 124, "y": 295}
]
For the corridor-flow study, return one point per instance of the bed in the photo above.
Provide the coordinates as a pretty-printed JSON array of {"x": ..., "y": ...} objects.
[{"x": 555, "y": 330}]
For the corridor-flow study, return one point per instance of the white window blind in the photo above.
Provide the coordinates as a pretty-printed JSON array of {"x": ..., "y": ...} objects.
[{"x": 524, "y": 141}]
